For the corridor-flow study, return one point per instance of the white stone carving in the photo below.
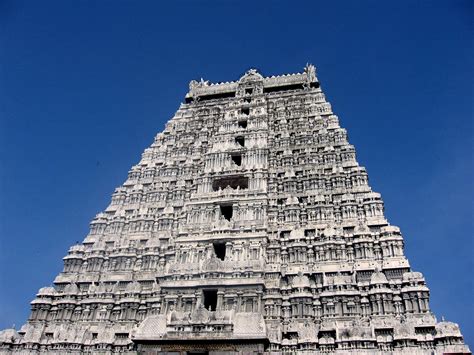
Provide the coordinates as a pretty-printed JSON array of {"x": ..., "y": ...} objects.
[{"x": 275, "y": 240}]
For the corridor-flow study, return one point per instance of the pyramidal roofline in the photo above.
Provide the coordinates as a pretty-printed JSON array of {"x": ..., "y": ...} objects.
[{"x": 248, "y": 226}]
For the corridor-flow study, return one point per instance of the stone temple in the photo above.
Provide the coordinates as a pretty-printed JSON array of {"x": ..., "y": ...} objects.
[{"x": 247, "y": 226}]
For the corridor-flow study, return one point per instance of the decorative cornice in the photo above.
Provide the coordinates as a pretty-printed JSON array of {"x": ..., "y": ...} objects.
[{"x": 204, "y": 87}]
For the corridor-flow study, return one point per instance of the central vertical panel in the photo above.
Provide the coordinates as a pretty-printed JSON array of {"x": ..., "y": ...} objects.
[{"x": 215, "y": 285}]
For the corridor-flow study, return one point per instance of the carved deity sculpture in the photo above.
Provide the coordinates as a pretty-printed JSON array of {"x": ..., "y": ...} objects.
[{"x": 247, "y": 223}]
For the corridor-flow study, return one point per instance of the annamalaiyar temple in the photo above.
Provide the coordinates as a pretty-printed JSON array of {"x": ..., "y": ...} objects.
[{"x": 247, "y": 226}]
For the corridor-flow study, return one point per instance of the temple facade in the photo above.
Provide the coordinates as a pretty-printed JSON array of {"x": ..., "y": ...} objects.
[{"x": 247, "y": 226}]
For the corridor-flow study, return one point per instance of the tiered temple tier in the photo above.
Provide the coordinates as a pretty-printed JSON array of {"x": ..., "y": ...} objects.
[{"x": 247, "y": 225}]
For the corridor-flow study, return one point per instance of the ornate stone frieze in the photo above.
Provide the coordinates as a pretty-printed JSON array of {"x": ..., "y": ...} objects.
[{"x": 247, "y": 226}]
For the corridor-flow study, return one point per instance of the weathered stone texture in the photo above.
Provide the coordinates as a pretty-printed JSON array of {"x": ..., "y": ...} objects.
[{"x": 247, "y": 225}]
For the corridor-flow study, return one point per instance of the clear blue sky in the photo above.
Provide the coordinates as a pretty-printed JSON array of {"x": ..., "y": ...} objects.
[{"x": 85, "y": 86}]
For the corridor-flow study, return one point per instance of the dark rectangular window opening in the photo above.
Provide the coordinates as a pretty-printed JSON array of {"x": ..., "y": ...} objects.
[
  {"x": 210, "y": 299},
  {"x": 242, "y": 124},
  {"x": 385, "y": 332},
  {"x": 210, "y": 97},
  {"x": 227, "y": 211},
  {"x": 248, "y": 99},
  {"x": 327, "y": 334},
  {"x": 290, "y": 335},
  {"x": 310, "y": 232},
  {"x": 234, "y": 182},
  {"x": 284, "y": 88},
  {"x": 245, "y": 111},
  {"x": 249, "y": 91},
  {"x": 424, "y": 330},
  {"x": 121, "y": 335},
  {"x": 240, "y": 140},
  {"x": 219, "y": 249},
  {"x": 237, "y": 159}
]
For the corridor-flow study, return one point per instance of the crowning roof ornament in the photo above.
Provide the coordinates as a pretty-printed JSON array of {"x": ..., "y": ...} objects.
[
  {"x": 310, "y": 71},
  {"x": 193, "y": 84},
  {"x": 251, "y": 75},
  {"x": 204, "y": 87}
]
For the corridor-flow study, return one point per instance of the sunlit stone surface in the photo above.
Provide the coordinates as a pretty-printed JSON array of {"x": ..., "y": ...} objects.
[{"x": 249, "y": 226}]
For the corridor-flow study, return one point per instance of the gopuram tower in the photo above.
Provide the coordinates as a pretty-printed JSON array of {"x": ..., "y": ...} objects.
[{"x": 247, "y": 226}]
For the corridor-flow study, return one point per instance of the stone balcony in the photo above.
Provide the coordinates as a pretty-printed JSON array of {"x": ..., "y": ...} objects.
[
  {"x": 201, "y": 325},
  {"x": 228, "y": 193},
  {"x": 216, "y": 265}
]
